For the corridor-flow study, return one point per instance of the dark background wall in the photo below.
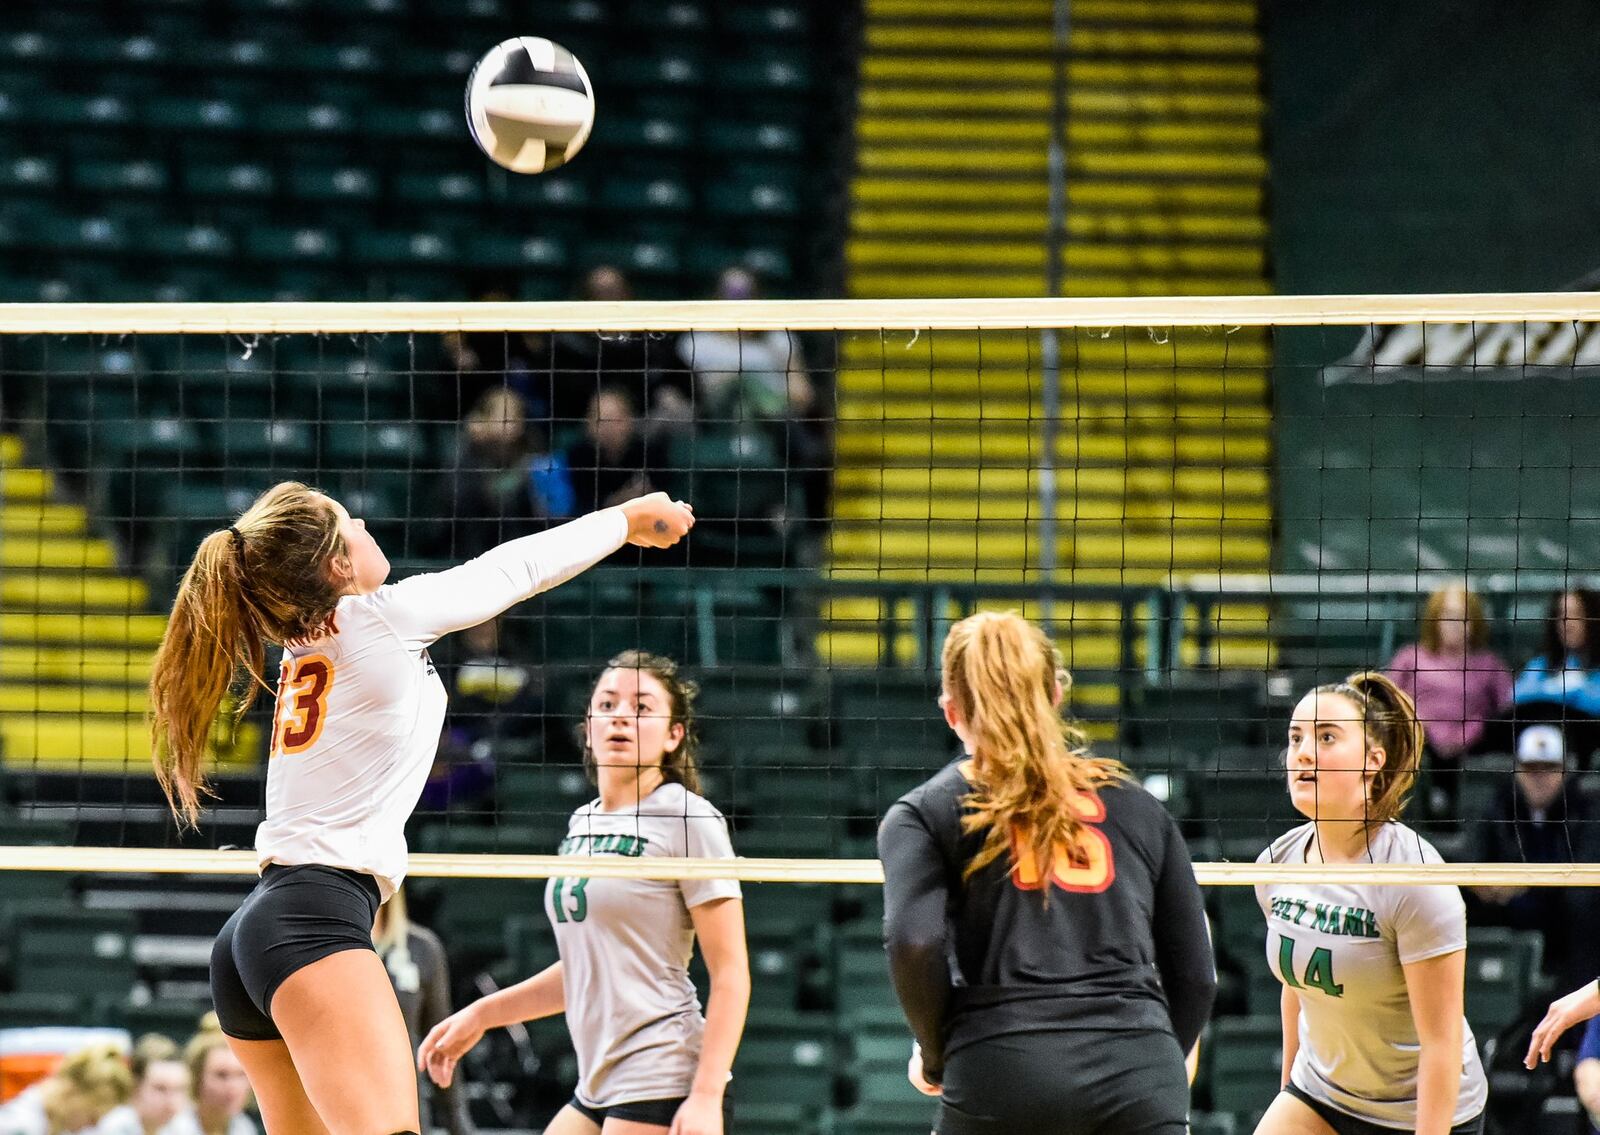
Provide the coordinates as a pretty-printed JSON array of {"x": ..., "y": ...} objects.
[{"x": 1452, "y": 145}]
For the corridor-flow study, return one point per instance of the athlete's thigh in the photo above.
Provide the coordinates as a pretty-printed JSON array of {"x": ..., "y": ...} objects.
[
  {"x": 285, "y": 1109},
  {"x": 344, "y": 1030},
  {"x": 1289, "y": 1116},
  {"x": 571, "y": 1121}
]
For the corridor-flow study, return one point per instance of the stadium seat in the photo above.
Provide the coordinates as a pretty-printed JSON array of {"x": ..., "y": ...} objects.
[
  {"x": 34, "y": 173},
  {"x": 262, "y": 443},
  {"x": 116, "y": 178},
  {"x": 505, "y": 250},
  {"x": 670, "y": 70},
  {"x": 358, "y": 445},
  {"x": 1503, "y": 969},
  {"x": 888, "y": 712},
  {"x": 62, "y": 948},
  {"x": 290, "y": 244},
  {"x": 181, "y": 115},
  {"x": 335, "y": 184},
  {"x": 25, "y": 1010},
  {"x": 646, "y": 195},
  {"x": 1246, "y": 1059},
  {"x": 251, "y": 180},
  {"x": 746, "y": 139},
  {"x": 439, "y": 190},
  {"x": 741, "y": 198},
  {"x": 661, "y": 136},
  {"x": 774, "y": 73},
  {"x": 175, "y": 1020},
  {"x": 372, "y": 247}
]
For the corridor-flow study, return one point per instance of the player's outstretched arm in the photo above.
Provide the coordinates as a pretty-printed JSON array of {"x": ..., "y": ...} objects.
[
  {"x": 424, "y": 607},
  {"x": 542, "y": 995}
]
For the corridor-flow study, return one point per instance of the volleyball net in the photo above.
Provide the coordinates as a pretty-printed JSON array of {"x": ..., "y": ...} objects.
[{"x": 1211, "y": 505}]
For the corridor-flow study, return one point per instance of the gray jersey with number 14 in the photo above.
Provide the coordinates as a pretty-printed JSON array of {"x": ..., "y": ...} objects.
[{"x": 1342, "y": 950}]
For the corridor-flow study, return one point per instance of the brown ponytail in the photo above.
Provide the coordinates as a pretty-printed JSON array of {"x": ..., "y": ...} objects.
[
  {"x": 264, "y": 579},
  {"x": 1029, "y": 764},
  {"x": 1389, "y": 720}
]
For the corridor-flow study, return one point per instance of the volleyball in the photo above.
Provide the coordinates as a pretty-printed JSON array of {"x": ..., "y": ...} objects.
[{"x": 529, "y": 104}]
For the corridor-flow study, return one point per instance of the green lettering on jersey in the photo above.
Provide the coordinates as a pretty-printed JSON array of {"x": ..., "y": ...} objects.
[{"x": 1319, "y": 970}]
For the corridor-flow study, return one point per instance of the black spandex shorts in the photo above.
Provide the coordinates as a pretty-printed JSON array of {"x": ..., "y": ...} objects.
[
  {"x": 1343, "y": 1124},
  {"x": 659, "y": 1112},
  {"x": 1069, "y": 1082},
  {"x": 295, "y": 916}
]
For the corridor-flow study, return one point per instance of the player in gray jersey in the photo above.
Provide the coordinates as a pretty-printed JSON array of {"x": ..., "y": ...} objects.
[
  {"x": 1374, "y": 1039},
  {"x": 647, "y": 1059}
]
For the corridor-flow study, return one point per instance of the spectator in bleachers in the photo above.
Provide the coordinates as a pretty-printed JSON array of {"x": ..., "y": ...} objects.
[
  {"x": 496, "y": 492},
  {"x": 1458, "y": 684},
  {"x": 415, "y": 959},
  {"x": 608, "y": 466},
  {"x": 1541, "y": 816},
  {"x": 584, "y": 362},
  {"x": 219, "y": 1088},
  {"x": 491, "y": 360},
  {"x": 741, "y": 376},
  {"x": 1562, "y": 684},
  {"x": 74, "y": 1098},
  {"x": 160, "y": 1090},
  {"x": 494, "y": 700}
]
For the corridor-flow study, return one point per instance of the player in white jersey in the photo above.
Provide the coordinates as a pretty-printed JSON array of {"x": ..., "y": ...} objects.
[
  {"x": 648, "y": 1061},
  {"x": 1374, "y": 1039},
  {"x": 299, "y": 990}
]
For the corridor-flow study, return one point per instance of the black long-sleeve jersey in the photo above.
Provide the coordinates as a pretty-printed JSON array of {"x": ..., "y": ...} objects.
[{"x": 1122, "y": 945}]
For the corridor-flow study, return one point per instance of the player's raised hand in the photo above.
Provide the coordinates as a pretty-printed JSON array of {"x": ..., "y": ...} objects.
[
  {"x": 445, "y": 1045},
  {"x": 1579, "y": 1005},
  {"x": 657, "y": 521}
]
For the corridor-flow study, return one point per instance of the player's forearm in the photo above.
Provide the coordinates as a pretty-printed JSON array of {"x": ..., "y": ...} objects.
[
  {"x": 1438, "y": 1086},
  {"x": 542, "y": 995},
  {"x": 726, "y": 1007}
]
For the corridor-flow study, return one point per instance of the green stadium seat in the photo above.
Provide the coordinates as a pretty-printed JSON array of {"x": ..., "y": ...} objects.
[
  {"x": 1503, "y": 969},
  {"x": 381, "y": 122},
  {"x": 666, "y": 17},
  {"x": 670, "y": 70},
  {"x": 288, "y": 244},
  {"x": 889, "y": 712},
  {"x": 34, "y": 173},
  {"x": 747, "y": 139},
  {"x": 26, "y": 1010},
  {"x": 502, "y": 250},
  {"x": 239, "y": 442},
  {"x": 193, "y": 115},
  {"x": 646, "y": 195},
  {"x": 116, "y": 177},
  {"x": 234, "y": 180},
  {"x": 561, "y": 192},
  {"x": 338, "y": 184},
  {"x": 785, "y": 1059},
  {"x": 1246, "y": 1060},
  {"x": 778, "y": 73},
  {"x": 739, "y": 198},
  {"x": 175, "y": 1020},
  {"x": 762, "y": 21},
  {"x": 409, "y": 249},
  {"x": 644, "y": 258},
  {"x": 742, "y": 705},
  {"x": 77, "y": 235},
  {"x": 180, "y": 241},
  {"x": 662, "y": 136},
  {"x": 305, "y": 120},
  {"x": 62, "y": 948},
  {"x": 439, "y": 190},
  {"x": 359, "y": 445}
]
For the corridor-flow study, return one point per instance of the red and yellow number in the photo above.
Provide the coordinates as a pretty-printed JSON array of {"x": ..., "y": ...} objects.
[
  {"x": 303, "y": 687},
  {"x": 1092, "y": 872}
]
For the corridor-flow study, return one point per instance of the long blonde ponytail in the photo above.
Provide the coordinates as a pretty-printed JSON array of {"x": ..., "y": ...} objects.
[
  {"x": 264, "y": 579},
  {"x": 1030, "y": 766}
]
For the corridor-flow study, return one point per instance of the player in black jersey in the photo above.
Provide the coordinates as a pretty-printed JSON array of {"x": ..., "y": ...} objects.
[{"x": 1056, "y": 1001}]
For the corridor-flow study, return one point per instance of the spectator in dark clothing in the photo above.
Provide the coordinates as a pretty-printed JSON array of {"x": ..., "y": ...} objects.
[
  {"x": 417, "y": 967},
  {"x": 489, "y": 360},
  {"x": 1562, "y": 684},
  {"x": 584, "y": 362},
  {"x": 609, "y": 465},
  {"x": 492, "y": 495},
  {"x": 1542, "y": 816}
]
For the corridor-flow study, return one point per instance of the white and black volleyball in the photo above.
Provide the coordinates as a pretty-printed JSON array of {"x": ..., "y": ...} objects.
[{"x": 529, "y": 104}]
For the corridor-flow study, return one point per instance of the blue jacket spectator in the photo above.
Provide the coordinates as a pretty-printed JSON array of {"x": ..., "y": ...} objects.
[{"x": 1566, "y": 674}]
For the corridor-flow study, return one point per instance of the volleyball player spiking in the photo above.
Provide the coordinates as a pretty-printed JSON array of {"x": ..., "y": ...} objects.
[
  {"x": 648, "y": 1062},
  {"x": 1374, "y": 1040},
  {"x": 299, "y": 990},
  {"x": 1045, "y": 933}
]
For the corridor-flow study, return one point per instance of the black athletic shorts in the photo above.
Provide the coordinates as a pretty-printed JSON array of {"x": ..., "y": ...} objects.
[
  {"x": 295, "y": 916},
  {"x": 1067, "y": 1082},
  {"x": 1343, "y": 1124},
  {"x": 659, "y": 1112}
]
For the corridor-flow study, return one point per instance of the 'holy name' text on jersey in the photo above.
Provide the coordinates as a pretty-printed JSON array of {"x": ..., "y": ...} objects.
[{"x": 1328, "y": 918}]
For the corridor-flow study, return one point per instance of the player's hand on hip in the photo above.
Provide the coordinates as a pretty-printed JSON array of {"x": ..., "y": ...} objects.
[
  {"x": 915, "y": 1075},
  {"x": 445, "y": 1045},
  {"x": 1579, "y": 1005},
  {"x": 655, "y": 520},
  {"x": 698, "y": 1115}
]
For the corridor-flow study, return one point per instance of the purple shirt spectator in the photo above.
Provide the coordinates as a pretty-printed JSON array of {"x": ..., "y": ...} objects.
[{"x": 1456, "y": 695}]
